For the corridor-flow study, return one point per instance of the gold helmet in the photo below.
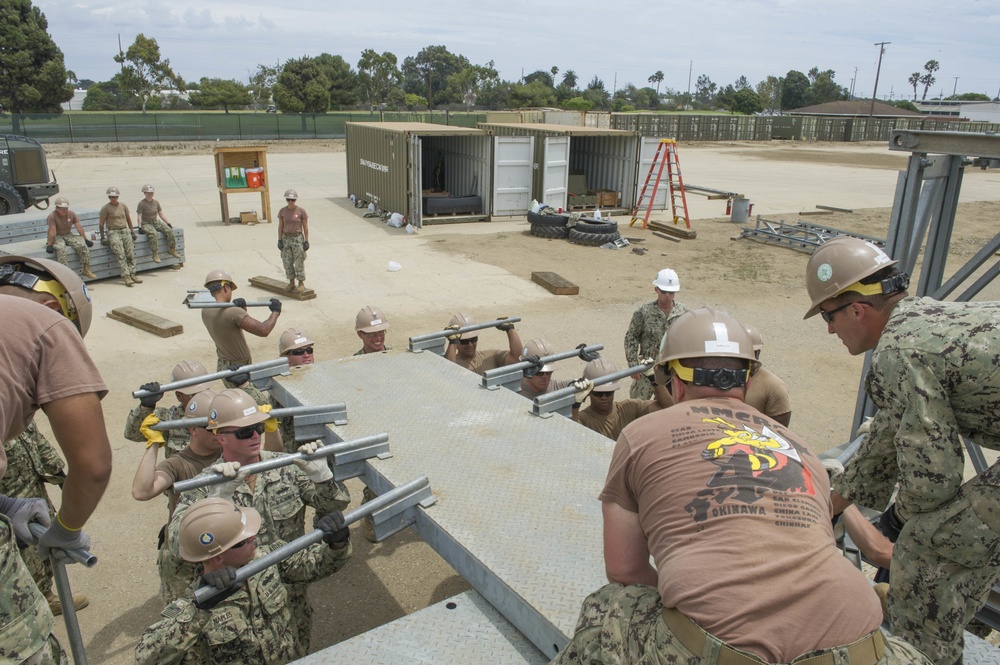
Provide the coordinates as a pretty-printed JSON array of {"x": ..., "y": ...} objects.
[
  {"x": 539, "y": 347},
  {"x": 370, "y": 319},
  {"x": 234, "y": 408},
  {"x": 221, "y": 278},
  {"x": 212, "y": 526},
  {"x": 291, "y": 194},
  {"x": 113, "y": 191},
  {"x": 595, "y": 369},
  {"x": 147, "y": 189},
  {"x": 705, "y": 333},
  {"x": 840, "y": 264},
  {"x": 200, "y": 405},
  {"x": 755, "y": 337},
  {"x": 292, "y": 339},
  {"x": 62, "y": 202},
  {"x": 462, "y": 320},
  {"x": 189, "y": 369},
  {"x": 52, "y": 277}
]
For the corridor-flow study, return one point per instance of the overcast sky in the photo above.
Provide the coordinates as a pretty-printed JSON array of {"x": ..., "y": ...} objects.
[{"x": 623, "y": 42}]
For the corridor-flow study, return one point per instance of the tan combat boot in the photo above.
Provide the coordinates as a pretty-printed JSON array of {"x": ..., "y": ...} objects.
[
  {"x": 86, "y": 273},
  {"x": 135, "y": 278},
  {"x": 291, "y": 285},
  {"x": 80, "y": 601},
  {"x": 301, "y": 288},
  {"x": 174, "y": 253},
  {"x": 127, "y": 280},
  {"x": 156, "y": 255}
]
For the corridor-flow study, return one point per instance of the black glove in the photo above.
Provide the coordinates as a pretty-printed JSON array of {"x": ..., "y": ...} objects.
[
  {"x": 90, "y": 243},
  {"x": 134, "y": 236},
  {"x": 275, "y": 305},
  {"x": 241, "y": 303},
  {"x": 504, "y": 326},
  {"x": 587, "y": 356},
  {"x": 238, "y": 379},
  {"x": 141, "y": 230},
  {"x": 149, "y": 401},
  {"x": 49, "y": 249},
  {"x": 104, "y": 240},
  {"x": 536, "y": 364},
  {"x": 281, "y": 244},
  {"x": 223, "y": 579},
  {"x": 305, "y": 246},
  {"x": 889, "y": 523},
  {"x": 335, "y": 532}
]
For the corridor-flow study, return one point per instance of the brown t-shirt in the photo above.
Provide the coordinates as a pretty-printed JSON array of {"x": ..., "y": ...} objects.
[
  {"x": 768, "y": 394},
  {"x": 115, "y": 216},
  {"x": 292, "y": 220},
  {"x": 483, "y": 360},
  {"x": 736, "y": 512},
  {"x": 64, "y": 225},
  {"x": 184, "y": 466},
  {"x": 224, "y": 328},
  {"x": 42, "y": 359},
  {"x": 554, "y": 384},
  {"x": 147, "y": 210},
  {"x": 622, "y": 413}
]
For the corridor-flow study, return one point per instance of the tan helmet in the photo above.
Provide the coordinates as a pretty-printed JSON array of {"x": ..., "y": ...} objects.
[
  {"x": 595, "y": 369},
  {"x": 189, "y": 369},
  {"x": 113, "y": 191},
  {"x": 292, "y": 339},
  {"x": 219, "y": 276},
  {"x": 838, "y": 265},
  {"x": 462, "y": 320},
  {"x": 200, "y": 405},
  {"x": 755, "y": 337},
  {"x": 370, "y": 319},
  {"x": 147, "y": 189},
  {"x": 234, "y": 408},
  {"x": 212, "y": 526},
  {"x": 62, "y": 202},
  {"x": 539, "y": 347},
  {"x": 704, "y": 333},
  {"x": 52, "y": 277},
  {"x": 291, "y": 194}
]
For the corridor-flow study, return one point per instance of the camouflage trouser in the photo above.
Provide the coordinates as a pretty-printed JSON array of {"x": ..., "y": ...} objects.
[
  {"x": 75, "y": 242},
  {"x": 159, "y": 225},
  {"x": 302, "y": 614},
  {"x": 176, "y": 574},
  {"x": 25, "y": 616},
  {"x": 249, "y": 388},
  {"x": 120, "y": 241},
  {"x": 40, "y": 569},
  {"x": 624, "y": 624},
  {"x": 641, "y": 389},
  {"x": 943, "y": 567},
  {"x": 293, "y": 255}
]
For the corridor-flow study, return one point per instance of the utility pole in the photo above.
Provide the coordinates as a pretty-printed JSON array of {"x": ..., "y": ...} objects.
[
  {"x": 955, "y": 89},
  {"x": 881, "y": 50},
  {"x": 852, "y": 82},
  {"x": 614, "y": 86},
  {"x": 690, "y": 69}
]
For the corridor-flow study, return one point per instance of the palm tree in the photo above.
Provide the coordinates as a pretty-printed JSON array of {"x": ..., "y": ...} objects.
[
  {"x": 914, "y": 80},
  {"x": 656, "y": 78},
  {"x": 928, "y": 79},
  {"x": 569, "y": 78}
]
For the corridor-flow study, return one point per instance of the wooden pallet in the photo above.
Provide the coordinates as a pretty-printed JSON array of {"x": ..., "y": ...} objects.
[
  {"x": 555, "y": 283},
  {"x": 278, "y": 286},
  {"x": 677, "y": 231},
  {"x": 146, "y": 321}
]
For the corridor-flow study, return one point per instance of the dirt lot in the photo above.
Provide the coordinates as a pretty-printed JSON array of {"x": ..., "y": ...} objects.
[{"x": 757, "y": 283}]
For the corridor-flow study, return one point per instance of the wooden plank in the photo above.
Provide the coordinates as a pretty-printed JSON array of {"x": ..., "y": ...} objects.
[
  {"x": 146, "y": 321},
  {"x": 834, "y": 209},
  {"x": 278, "y": 286},
  {"x": 676, "y": 231},
  {"x": 816, "y": 212},
  {"x": 555, "y": 283},
  {"x": 664, "y": 235}
]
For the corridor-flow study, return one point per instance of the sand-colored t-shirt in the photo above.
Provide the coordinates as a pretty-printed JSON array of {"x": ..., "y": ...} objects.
[
  {"x": 224, "y": 327},
  {"x": 147, "y": 210},
  {"x": 768, "y": 394},
  {"x": 293, "y": 220},
  {"x": 64, "y": 225},
  {"x": 483, "y": 360},
  {"x": 184, "y": 466},
  {"x": 622, "y": 413},
  {"x": 115, "y": 216}
]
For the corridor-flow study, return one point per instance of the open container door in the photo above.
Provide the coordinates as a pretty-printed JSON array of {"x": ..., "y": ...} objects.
[
  {"x": 416, "y": 149},
  {"x": 555, "y": 171},
  {"x": 512, "y": 160},
  {"x": 647, "y": 152}
]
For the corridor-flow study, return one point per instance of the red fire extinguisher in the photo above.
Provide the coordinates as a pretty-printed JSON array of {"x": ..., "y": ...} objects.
[{"x": 729, "y": 206}]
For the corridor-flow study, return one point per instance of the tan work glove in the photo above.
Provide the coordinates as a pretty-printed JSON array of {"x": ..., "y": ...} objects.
[
  {"x": 153, "y": 437},
  {"x": 648, "y": 373},
  {"x": 454, "y": 337},
  {"x": 583, "y": 388},
  {"x": 225, "y": 490},
  {"x": 317, "y": 470}
]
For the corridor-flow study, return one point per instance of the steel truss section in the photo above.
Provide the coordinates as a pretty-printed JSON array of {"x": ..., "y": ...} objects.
[{"x": 802, "y": 236}]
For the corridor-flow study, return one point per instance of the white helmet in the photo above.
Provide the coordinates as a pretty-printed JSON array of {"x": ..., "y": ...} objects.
[{"x": 666, "y": 280}]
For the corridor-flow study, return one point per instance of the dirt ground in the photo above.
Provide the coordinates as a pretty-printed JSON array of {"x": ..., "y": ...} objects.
[{"x": 757, "y": 283}]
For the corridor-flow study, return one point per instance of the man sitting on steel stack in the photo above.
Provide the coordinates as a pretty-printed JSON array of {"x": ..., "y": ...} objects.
[{"x": 736, "y": 512}]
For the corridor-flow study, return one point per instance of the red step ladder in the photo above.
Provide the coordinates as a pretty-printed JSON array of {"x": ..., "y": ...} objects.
[{"x": 666, "y": 156}]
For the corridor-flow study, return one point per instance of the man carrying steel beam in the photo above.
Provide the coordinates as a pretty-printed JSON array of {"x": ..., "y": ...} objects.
[
  {"x": 605, "y": 415},
  {"x": 934, "y": 378},
  {"x": 176, "y": 440},
  {"x": 734, "y": 510},
  {"x": 253, "y": 622},
  {"x": 649, "y": 326},
  {"x": 462, "y": 347},
  {"x": 538, "y": 380}
]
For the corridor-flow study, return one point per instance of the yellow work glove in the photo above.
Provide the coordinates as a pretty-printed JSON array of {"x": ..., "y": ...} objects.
[
  {"x": 271, "y": 424},
  {"x": 152, "y": 436},
  {"x": 454, "y": 336}
]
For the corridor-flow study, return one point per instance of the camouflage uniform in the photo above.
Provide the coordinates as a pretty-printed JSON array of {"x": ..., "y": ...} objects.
[
  {"x": 249, "y": 388},
  {"x": 120, "y": 242},
  {"x": 624, "y": 624},
  {"x": 25, "y": 618},
  {"x": 77, "y": 243},
  {"x": 177, "y": 439},
  {"x": 32, "y": 462},
  {"x": 293, "y": 255},
  {"x": 150, "y": 223},
  {"x": 281, "y": 496},
  {"x": 934, "y": 378},
  {"x": 254, "y": 625},
  {"x": 645, "y": 334}
]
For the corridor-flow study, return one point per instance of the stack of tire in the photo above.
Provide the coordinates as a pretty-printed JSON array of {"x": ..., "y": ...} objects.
[{"x": 586, "y": 231}]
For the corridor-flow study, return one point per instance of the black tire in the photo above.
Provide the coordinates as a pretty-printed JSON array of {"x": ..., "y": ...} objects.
[
  {"x": 591, "y": 225},
  {"x": 592, "y": 239},
  {"x": 547, "y": 220},
  {"x": 543, "y": 231},
  {"x": 10, "y": 200}
]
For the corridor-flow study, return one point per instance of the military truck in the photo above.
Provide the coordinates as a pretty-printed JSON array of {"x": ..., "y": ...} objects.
[{"x": 24, "y": 175}]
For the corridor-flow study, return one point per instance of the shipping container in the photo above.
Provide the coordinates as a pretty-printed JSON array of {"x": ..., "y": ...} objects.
[{"x": 576, "y": 168}]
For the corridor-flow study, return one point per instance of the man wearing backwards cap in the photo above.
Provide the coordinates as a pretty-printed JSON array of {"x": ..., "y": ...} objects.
[
  {"x": 935, "y": 380},
  {"x": 649, "y": 326}
]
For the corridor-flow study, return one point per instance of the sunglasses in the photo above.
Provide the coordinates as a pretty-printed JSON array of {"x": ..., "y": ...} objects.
[
  {"x": 471, "y": 340},
  {"x": 306, "y": 351},
  {"x": 828, "y": 315},
  {"x": 247, "y": 432}
]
